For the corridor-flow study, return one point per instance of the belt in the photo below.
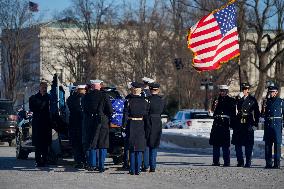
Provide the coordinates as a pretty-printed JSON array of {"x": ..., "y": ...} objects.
[
  {"x": 136, "y": 118},
  {"x": 222, "y": 116},
  {"x": 274, "y": 117}
]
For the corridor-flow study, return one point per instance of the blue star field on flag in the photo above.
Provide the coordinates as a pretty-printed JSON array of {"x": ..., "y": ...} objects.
[
  {"x": 226, "y": 18},
  {"x": 117, "y": 105}
]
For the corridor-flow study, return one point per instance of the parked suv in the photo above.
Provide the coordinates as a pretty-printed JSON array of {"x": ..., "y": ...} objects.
[
  {"x": 8, "y": 121},
  {"x": 191, "y": 118}
]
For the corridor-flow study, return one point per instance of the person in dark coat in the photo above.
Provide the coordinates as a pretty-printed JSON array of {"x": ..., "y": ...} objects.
[
  {"x": 154, "y": 126},
  {"x": 243, "y": 128},
  {"x": 39, "y": 104},
  {"x": 125, "y": 148},
  {"x": 97, "y": 110},
  {"x": 224, "y": 109},
  {"x": 75, "y": 124},
  {"x": 146, "y": 91},
  {"x": 273, "y": 125},
  {"x": 134, "y": 120}
]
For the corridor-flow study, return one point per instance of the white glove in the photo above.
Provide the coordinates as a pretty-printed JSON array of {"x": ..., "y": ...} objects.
[{"x": 123, "y": 134}]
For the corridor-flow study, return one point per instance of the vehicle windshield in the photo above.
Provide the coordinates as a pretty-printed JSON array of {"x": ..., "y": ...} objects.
[
  {"x": 6, "y": 107},
  {"x": 178, "y": 116},
  {"x": 200, "y": 115}
]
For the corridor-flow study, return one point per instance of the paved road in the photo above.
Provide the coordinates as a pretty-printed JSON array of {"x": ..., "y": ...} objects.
[{"x": 176, "y": 169}]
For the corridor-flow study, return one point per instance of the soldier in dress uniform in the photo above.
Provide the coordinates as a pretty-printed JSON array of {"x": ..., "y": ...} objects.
[
  {"x": 247, "y": 119},
  {"x": 146, "y": 91},
  {"x": 39, "y": 104},
  {"x": 154, "y": 126},
  {"x": 224, "y": 109},
  {"x": 273, "y": 125},
  {"x": 134, "y": 119},
  {"x": 97, "y": 109},
  {"x": 75, "y": 123}
]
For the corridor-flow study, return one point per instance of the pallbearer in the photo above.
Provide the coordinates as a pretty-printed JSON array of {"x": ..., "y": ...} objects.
[
  {"x": 134, "y": 119},
  {"x": 154, "y": 126}
]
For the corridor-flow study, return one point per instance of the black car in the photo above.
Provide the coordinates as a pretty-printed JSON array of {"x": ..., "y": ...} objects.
[
  {"x": 60, "y": 145},
  {"x": 8, "y": 121}
]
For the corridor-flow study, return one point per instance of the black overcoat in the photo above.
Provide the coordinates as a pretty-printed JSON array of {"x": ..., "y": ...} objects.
[
  {"x": 135, "y": 106},
  {"x": 220, "y": 132},
  {"x": 273, "y": 124},
  {"x": 97, "y": 110},
  {"x": 154, "y": 126},
  {"x": 247, "y": 117},
  {"x": 75, "y": 118},
  {"x": 41, "y": 121}
]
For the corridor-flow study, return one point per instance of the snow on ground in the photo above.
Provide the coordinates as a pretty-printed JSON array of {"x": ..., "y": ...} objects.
[{"x": 204, "y": 134}]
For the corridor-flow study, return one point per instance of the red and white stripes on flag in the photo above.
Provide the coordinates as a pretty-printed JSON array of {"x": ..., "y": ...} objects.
[{"x": 214, "y": 39}]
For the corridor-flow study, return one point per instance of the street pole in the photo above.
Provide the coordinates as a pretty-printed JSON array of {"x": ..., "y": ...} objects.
[
  {"x": 240, "y": 74},
  {"x": 179, "y": 93}
]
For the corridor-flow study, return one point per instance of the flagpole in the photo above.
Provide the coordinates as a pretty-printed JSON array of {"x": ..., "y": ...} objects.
[{"x": 240, "y": 73}]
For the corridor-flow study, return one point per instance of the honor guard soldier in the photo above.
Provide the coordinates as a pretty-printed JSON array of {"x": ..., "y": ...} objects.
[
  {"x": 134, "y": 119},
  {"x": 97, "y": 109},
  {"x": 243, "y": 128},
  {"x": 146, "y": 91},
  {"x": 224, "y": 109},
  {"x": 154, "y": 126},
  {"x": 41, "y": 124},
  {"x": 273, "y": 125},
  {"x": 75, "y": 124}
]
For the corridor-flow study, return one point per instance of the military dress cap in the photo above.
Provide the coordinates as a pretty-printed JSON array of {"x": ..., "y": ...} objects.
[
  {"x": 272, "y": 88},
  {"x": 129, "y": 86},
  {"x": 147, "y": 80},
  {"x": 136, "y": 84},
  {"x": 154, "y": 86},
  {"x": 96, "y": 81},
  {"x": 245, "y": 86},
  {"x": 223, "y": 87},
  {"x": 81, "y": 87}
]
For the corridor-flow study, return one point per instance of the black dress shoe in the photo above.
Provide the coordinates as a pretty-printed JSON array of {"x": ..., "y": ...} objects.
[
  {"x": 101, "y": 170},
  {"x": 144, "y": 170},
  {"x": 152, "y": 170},
  {"x": 247, "y": 165},
  {"x": 276, "y": 167},
  {"x": 91, "y": 168},
  {"x": 268, "y": 167},
  {"x": 216, "y": 164},
  {"x": 226, "y": 165},
  {"x": 137, "y": 173},
  {"x": 240, "y": 164}
]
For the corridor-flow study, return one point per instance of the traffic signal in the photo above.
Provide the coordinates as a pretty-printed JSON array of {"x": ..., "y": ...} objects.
[{"x": 178, "y": 63}]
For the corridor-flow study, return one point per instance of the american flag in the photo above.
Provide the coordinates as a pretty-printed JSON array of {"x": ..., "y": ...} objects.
[
  {"x": 117, "y": 105},
  {"x": 33, "y": 7},
  {"x": 214, "y": 39}
]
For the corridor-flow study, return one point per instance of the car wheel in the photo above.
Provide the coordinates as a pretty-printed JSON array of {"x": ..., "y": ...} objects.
[
  {"x": 12, "y": 143},
  {"x": 117, "y": 160},
  {"x": 20, "y": 153}
]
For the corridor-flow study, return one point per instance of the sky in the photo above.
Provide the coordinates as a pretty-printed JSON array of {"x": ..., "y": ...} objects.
[{"x": 49, "y": 7}]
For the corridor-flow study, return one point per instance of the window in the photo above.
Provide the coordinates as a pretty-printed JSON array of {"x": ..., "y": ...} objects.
[
  {"x": 200, "y": 115},
  {"x": 179, "y": 116},
  {"x": 187, "y": 116}
]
